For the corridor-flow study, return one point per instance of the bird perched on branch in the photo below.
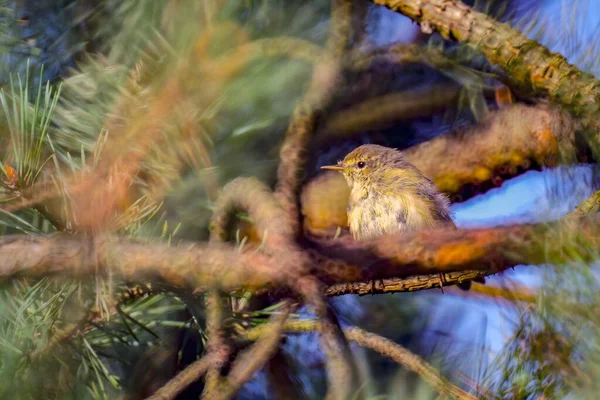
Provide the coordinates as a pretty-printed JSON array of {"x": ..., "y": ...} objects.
[{"x": 389, "y": 195}]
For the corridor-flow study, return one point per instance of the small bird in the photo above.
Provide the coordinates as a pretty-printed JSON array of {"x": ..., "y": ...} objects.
[{"x": 389, "y": 195}]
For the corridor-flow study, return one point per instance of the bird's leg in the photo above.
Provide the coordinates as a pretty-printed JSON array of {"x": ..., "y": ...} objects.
[{"x": 442, "y": 282}]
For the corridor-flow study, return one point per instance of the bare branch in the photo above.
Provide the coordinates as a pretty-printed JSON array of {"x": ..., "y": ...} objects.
[
  {"x": 443, "y": 250},
  {"x": 532, "y": 68},
  {"x": 509, "y": 138},
  {"x": 309, "y": 109},
  {"x": 190, "y": 265},
  {"x": 384, "y": 347},
  {"x": 290, "y": 47},
  {"x": 512, "y": 294},
  {"x": 409, "y": 360},
  {"x": 588, "y": 207},
  {"x": 254, "y": 198},
  {"x": 383, "y": 111},
  {"x": 408, "y": 284},
  {"x": 249, "y": 362},
  {"x": 185, "y": 378},
  {"x": 216, "y": 265},
  {"x": 341, "y": 369},
  {"x": 216, "y": 341}
]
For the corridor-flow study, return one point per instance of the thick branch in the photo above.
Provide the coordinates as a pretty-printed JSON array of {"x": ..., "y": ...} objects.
[
  {"x": 531, "y": 67},
  {"x": 337, "y": 261},
  {"x": 190, "y": 265},
  {"x": 509, "y": 138},
  {"x": 254, "y": 198},
  {"x": 444, "y": 250}
]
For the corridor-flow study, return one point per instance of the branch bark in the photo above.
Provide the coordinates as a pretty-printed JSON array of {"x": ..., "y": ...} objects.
[
  {"x": 309, "y": 109},
  {"x": 509, "y": 138},
  {"x": 530, "y": 67},
  {"x": 443, "y": 250},
  {"x": 408, "y": 284},
  {"x": 588, "y": 207},
  {"x": 216, "y": 342},
  {"x": 248, "y": 363},
  {"x": 220, "y": 266},
  {"x": 185, "y": 378},
  {"x": 384, "y": 347}
]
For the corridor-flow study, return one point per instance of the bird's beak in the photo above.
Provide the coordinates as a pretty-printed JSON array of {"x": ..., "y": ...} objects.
[{"x": 334, "y": 167}]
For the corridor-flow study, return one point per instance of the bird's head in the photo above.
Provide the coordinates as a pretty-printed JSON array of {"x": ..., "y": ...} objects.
[{"x": 371, "y": 163}]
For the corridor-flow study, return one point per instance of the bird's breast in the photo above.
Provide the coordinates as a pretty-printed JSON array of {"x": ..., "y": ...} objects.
[{"x": 371, "y": 215}]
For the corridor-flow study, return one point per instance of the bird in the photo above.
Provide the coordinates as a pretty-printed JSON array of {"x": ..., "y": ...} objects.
[{"x": 388, "y": 194}]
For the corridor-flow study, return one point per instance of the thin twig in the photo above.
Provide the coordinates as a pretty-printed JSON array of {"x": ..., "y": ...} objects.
[
  {"x": 408, "y": 284},
  {"x": 91, "y": 320},
  {"x": 588, "y": 207},
  {"x": 189, "y": 375},
  {"x": 342, "y": 372},
  {"x": 251, "y": 360},
  {"x": 216, "y": 341},
  {"x": 381, "y": 345},
  {"x": 406, "y": 358},
  {"x": 511, "y": 294}
]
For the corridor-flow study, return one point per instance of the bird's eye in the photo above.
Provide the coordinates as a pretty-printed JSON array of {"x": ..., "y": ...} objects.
[{"x": 361, "y": 164}]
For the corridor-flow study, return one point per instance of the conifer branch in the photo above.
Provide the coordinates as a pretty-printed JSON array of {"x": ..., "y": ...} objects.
[{"x": 529, "y": 66}]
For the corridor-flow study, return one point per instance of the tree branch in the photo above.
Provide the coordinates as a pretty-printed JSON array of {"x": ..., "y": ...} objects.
[
  {"x": 443, "y": 250},
  {"x": 382, "y": 346},
  {"x": 255, "y": 199},
  {"x": 189, "y": 375},
  {"x": 191, "y": 265},
  {"x": 309, "y": 109},
  {"x": 216, "y": 342},
  {"x": 383, "y": 111},
  {"x": 342, "y": 372},
  {"x": 531, "y": 67},
  {"x": 408, "y": 284},
  {"x": 508, "y": 138},
  {"x": 588, "y": 207},
  {"x": 254, "y": 358},
  {"x": 220, "y": 266},
  {"x": 511, "y": 294}
]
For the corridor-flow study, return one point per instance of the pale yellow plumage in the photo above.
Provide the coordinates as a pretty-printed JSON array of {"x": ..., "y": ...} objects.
[{"x": 388, "y": 194}]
